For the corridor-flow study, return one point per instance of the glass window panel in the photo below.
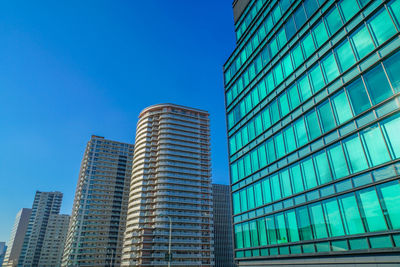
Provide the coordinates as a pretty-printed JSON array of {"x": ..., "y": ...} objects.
[
  {"x": 308, "y": 173},
  {"x": 323, "y": 247},
  {"x": 247, "y": 165},
  {"x": 246, "y": 235},
  {"x": 362, "y": 42},
  {"x": 251, "y": 130},
  {"x": 358, "y": 96},
  {"x": 382, "y": 27},
  {"x": 262, "y": 232},
  {"x": 287, "y": 65},
  {"x": 317, "y": 78},
  {"x": 271, "y": 234},
  {"x": 349, "y": 8},
  {"x": 339, "y": 245},
  {"x": 390, "y": 193},
  {"x": 234, "y": 173},
  {"x": 262, "y": 156},
  {"x": 332, "y": 216},
  {"x": 285, "y": 182},
  {"x": 254, "y": 234},
  {"x": 392, "y": 66},
  {"x": 282, "y": 37},
  {"x": 290, "y": 27},
  {"x": 258, "y": 194},
  {"x": 238, "y": 236},
  {"x": 297, "y": 180},
  {"x": 351, "y": 215},
  {"x": 299, "y": 17},
  {"x": 258, "y": 123},
  {"x": 374, "y": 146},
  {"x": 300, "y": 131},
  {"x": 355, "y": 154},
  {"x": 371, "y": 210},
  {"x": 341, "y": 107},
  {"x": 377, "y": 85},
  {"x": 254, "y": 96},
  {"x": 290, "y": 142},
  {"x": 322, "y": 168},
  {"x": 294, "y": 98},
  {"x": 274, "y": 112},
  {"x": 304, "y": 224},
  {"x": 326, "y": 116},
  {"x": 241, "y": 168},
  {"x": 236, "y": 203},
  {"x": 305, "y": 88},
  {"x": 313, "y": 125},
  {"x": 308, "y": 45},
  {"x": 359, "y": 243},
  {"x": 345, "y": 55},
  {"x": 330, "y": 68},
  {"x": 318, "y": 222},
  {"x": 250, "y": 197},
  {"x": 337, "y": 162},
  {"x": 283, "y": 104},
  {"x": 320, "y": 34},
  {"x": 266, "y": 118},
  {"x": 380, "y": 242},
  {"x": 278, "y": 74},
  {"x": 310, "y": 6},
  {"x": 243, "y": 200},
  {"x": 279, "y": 145},
  {"x": 292, "y": 226},
  {"x": 394, "y": 8},
  {"x": 333, "y": 21},
  {"x": 281, "y": 229},
  {"x": 297, "y": 56},
  {"x": 276, "y": 188},
  {"x": 308, "y": 248},
  {"x": 271, "y": 151},
  {"x": 390, "y": 128},
  {"x": 273, "y": 47},
  {"x": 266, "y": 191}
]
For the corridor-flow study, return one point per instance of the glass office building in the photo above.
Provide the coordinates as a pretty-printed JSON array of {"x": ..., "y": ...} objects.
[{"x": 312, "y": 102}]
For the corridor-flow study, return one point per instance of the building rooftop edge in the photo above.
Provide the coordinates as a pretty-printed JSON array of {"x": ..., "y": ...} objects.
[{"x": 170, "y": 105}]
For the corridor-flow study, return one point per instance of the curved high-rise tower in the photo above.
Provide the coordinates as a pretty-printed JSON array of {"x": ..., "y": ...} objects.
[{"x": 171, "y": 182}]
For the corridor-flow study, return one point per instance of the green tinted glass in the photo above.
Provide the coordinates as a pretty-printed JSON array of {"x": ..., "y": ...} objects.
[
  {"x": 355, "y": 154},
  {"x": 382, "y": 27},
  {"x": 318, "y": 222},
  {"x": 358, "y": 96},
  {"x": 362, "y": 42},
  {"x": 333, "y": 219},
  {"x": 374, "y": 146},
  {"x": 350, "y": 214},
  {"x": 391, "y": 198},
  {"x": 341, "y": 107},
  {"x": 377, "y": 84},
  {"x": 371, "y": 210},
  {"x": 390, "y": 128},
  {"x": 345, "y": 56},
  {"x": 392, "y": 66}
]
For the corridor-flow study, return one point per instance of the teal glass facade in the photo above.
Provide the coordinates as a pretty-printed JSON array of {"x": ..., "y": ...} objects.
[{"x": 312, "y": 100}]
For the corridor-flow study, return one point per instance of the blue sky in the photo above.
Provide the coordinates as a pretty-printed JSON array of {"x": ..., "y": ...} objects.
[{"x": 70, "y": 69}]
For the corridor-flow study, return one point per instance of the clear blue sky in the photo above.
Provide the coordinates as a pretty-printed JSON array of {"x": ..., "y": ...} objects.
[{"x": 70, "y": 69}]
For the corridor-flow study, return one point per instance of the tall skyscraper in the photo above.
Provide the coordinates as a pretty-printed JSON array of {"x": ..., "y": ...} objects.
[
  {"x": 98, "y": 217},
  {"x": 54, "y": 240},
  {"x": 17, "y": 238},
  {"x": 44, "y": 206},
  {"x": 222, "y": 213},
  {"x": 312, "y": 103},
  {"x": 170, "y": 186}
]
